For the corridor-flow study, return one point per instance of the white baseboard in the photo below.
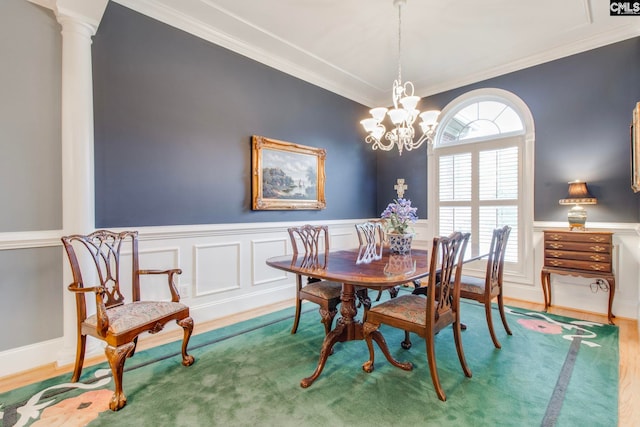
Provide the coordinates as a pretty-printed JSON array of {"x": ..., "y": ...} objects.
[{"x": 29, "y": 357}]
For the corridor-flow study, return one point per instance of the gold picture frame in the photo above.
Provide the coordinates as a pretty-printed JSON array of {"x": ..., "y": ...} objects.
[
  {"x": 286, "y": 176},
  {"x": 635, "y": 149}
]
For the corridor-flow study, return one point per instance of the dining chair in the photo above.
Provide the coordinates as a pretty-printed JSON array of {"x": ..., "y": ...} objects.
[
  {"x": 96, "y": 260},
  {"x": 426, "y": 315},
  {"x": 485, "y": 289},
  {"x": 312, "y": 243},
  {"x": 371, "y": 237}
]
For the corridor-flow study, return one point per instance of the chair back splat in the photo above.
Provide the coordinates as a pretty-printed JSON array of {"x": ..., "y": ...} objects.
[
  {"x": 96, "y": 261},
  {"x": 371, "y": 240}
]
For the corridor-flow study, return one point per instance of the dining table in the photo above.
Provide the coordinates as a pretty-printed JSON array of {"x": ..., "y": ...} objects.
[{"x": 357, "y": 267}]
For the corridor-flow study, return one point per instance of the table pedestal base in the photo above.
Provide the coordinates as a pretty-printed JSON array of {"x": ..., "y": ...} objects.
[{"x": 347, "y": 329}]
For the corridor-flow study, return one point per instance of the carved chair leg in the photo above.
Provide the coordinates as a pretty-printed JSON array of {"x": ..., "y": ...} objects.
[
  {"x": 492, "y": 332},
  {"x": 296, "y": 319},
  {"x": 187, "y": 325},
  {"x": 81, "y": 346},
  {"x": 367, "y": 329},
  {"x": 433, "y": 368},
  {"x": 457, "y": 335},
  {"x": 502, "y": 315},
  {"x": 116, "y": 357}
]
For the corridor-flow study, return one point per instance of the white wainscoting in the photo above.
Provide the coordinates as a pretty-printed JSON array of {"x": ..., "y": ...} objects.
[{"x": 224, "y": 273}]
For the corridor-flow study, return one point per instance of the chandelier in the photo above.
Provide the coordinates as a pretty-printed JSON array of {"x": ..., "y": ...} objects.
[{"x": 402, "y": 115}]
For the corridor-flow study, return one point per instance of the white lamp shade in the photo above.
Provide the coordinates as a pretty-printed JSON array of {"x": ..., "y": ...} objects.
[
  {"x": 377, "y": 132},
  {"x": 369, "y": 124},
  {"x": 430, "y": 118},
  {"x": 410, "y": 102},
  {"x": 398, "y": 115},
  {"x": 378, "y": 113}
]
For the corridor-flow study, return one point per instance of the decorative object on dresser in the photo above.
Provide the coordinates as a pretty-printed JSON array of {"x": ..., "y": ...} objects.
[
  {"x": 579, "y": 253},
  {"x": 96, "y": 276},
  {"x": 578, "y": 195}
]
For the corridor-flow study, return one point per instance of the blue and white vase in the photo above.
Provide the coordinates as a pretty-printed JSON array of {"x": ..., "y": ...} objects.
[{"x": 400, "y": 243}]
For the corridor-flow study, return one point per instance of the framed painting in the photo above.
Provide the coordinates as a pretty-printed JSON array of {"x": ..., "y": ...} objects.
[
  {"x": 286, "y": 175},
  {"x": 635, "y": 149}
]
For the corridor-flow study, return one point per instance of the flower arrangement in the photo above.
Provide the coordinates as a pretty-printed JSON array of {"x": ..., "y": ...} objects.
[{"x": 399, "y": 215}]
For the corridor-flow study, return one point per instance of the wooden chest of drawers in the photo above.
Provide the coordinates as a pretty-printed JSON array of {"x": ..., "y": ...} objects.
[{"x": 578, "y": 253}]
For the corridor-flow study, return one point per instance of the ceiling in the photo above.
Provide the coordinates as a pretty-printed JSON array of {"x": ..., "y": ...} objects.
[{"x": 350, "y": 47}]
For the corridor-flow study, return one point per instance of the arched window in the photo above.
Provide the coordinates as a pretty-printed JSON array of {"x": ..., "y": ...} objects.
[{"x": 482, "y": 164}]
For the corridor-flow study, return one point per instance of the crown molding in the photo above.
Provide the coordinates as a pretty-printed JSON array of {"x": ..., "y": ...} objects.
[{"x": 327, "y": 76}]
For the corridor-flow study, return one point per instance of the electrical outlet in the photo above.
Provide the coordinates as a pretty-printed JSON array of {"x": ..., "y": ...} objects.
[{"x": 185, "y": 291}]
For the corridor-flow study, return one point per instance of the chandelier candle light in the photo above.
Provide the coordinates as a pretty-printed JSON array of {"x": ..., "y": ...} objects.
[{"x": 403, "y": 114}]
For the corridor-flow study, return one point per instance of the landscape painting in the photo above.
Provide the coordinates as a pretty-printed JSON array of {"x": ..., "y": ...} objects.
[{"x": 286, "y": 175}]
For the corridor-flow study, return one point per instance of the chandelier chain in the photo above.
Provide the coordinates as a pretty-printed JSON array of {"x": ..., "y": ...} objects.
[{"x": 399, "y": 42}]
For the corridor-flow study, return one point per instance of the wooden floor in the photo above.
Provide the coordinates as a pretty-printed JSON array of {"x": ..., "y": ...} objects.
[{"x": 629, "y": 386}]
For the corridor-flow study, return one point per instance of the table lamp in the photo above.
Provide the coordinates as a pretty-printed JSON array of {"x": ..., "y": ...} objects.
[{"x": 578, "y": 195}]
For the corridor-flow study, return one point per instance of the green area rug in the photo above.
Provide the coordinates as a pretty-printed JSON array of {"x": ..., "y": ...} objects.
[{"x": 552, "y": 371}]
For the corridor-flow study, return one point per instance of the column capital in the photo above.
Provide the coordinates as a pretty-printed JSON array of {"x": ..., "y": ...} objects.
[{"x": 87, "y": 12}]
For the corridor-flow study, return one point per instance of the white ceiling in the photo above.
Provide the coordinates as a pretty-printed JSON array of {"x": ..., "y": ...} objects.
[{"x": 350, "y": 47}]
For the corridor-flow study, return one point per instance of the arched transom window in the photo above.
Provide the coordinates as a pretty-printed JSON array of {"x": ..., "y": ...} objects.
[{"x": 480, "y": 120}]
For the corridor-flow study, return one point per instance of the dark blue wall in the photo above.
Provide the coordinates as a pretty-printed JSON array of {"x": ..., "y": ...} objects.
[
  {"x": 582, "y": 107},
  {"x": 174, "y": 117}
]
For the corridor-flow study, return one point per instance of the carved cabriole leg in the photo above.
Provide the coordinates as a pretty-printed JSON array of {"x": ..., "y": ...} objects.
[
  {"x": 327, "y": 346},
  {"x": 187, "y": 325},
  {"x": 367, "y": 329},
  {"x": 371, "y": 332},
  {"x": 345, "y": 330},
  {"x": 116, "y": 357},
  {"x": 80, "y": 348}
]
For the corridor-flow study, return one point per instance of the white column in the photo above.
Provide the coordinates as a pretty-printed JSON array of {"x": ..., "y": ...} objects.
[{"x": 79, "y": 20}]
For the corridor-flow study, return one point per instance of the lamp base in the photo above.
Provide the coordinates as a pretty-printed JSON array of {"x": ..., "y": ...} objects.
[{"x": 577, "y": 217}]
